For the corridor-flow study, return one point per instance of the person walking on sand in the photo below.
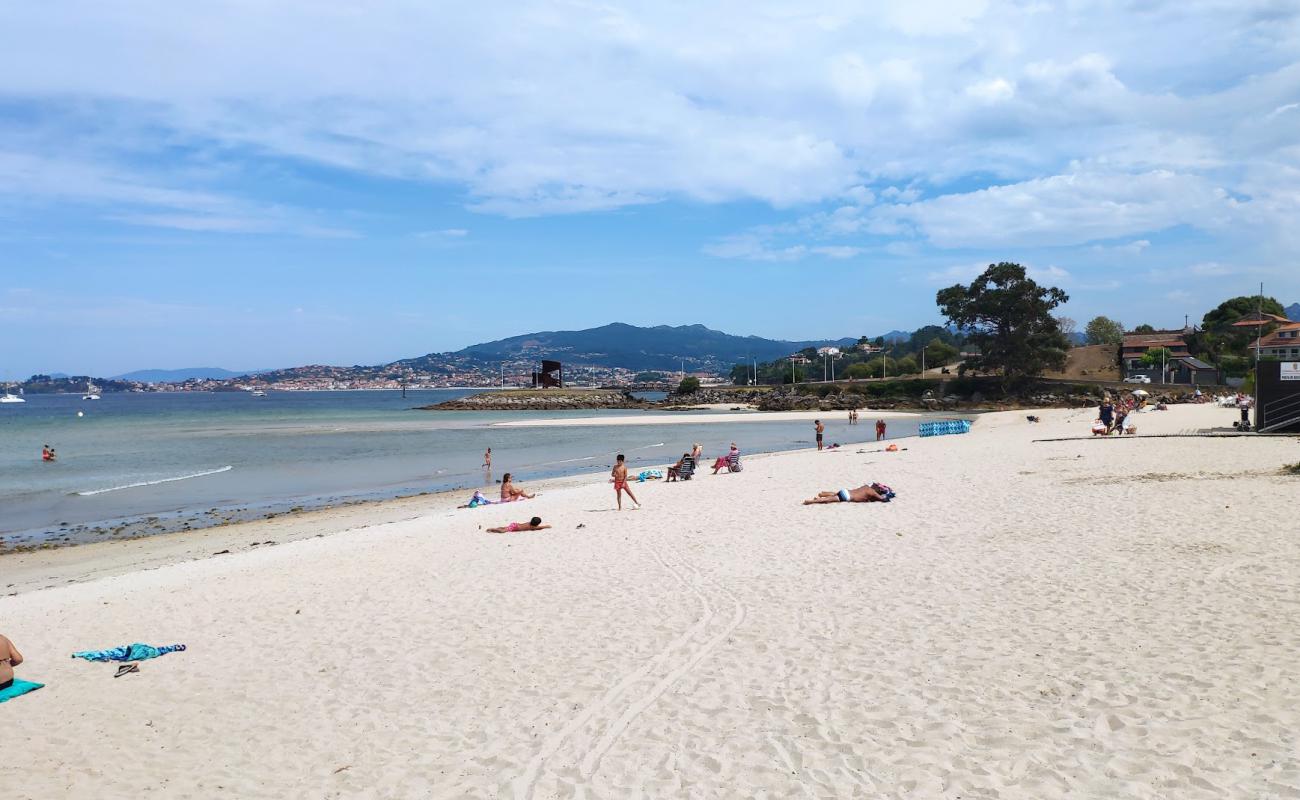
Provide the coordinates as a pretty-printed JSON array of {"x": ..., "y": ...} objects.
[
  {"x": 9, "y": 658},
  {"x": 880, "y": 429},
  {"x": 817, "y": 426},
  {"x": 619, "y": 474},
  {"x": 534, "y": 524}
]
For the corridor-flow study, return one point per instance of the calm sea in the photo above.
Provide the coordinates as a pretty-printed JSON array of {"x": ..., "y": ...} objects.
[{"x": 196, "y": 458}]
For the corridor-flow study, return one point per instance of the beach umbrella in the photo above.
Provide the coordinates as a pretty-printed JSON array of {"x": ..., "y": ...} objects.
[{"x": 1140, "y": 393}]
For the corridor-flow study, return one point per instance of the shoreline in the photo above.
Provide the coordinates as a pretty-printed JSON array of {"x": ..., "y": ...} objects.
[{"x": 205, "y": 518}]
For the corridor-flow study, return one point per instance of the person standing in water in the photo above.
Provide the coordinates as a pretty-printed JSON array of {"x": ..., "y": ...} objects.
[
  {"x": 619, "y": 474},
  {"x": 487, "y": 459},
  {"x": 817, "y": 426},
  {"x": 880, "y": 429}
]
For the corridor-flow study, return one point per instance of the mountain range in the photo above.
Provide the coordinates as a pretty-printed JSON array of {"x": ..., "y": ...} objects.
[
  {"x": 178, "y": 375},
  {"x": 1293, "y": 311}
]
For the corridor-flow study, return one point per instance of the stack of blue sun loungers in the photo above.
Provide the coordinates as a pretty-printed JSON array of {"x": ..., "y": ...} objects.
[{"x": 945, "y": 428}]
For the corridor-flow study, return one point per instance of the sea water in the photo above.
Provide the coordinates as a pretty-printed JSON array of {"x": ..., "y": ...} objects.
[{"x": 204, "y": 457}]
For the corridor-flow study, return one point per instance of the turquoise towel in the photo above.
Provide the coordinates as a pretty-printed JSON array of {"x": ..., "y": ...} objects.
[
  {"x": 130, "y": 652},
  {"x": 19, "y": 688}
]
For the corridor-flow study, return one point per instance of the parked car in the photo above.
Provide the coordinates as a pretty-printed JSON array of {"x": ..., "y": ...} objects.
[{"x": 1137, "y": 379}]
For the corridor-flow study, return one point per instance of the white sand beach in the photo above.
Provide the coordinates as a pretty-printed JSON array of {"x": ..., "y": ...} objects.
[{"x": 1077, "y": 619}]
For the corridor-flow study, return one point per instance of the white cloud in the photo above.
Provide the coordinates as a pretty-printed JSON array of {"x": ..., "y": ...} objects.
[{"x": 1067, "y": 209}]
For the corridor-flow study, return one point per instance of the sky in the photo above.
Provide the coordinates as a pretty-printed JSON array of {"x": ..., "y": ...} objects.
[{"x": 255, "y": 185}]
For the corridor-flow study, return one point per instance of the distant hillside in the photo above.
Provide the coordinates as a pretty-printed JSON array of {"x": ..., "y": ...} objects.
[
  {"x": 1293, "y": 311},
  {"x": 178, "y": 375},
  {"x": 662, "y": 347}
]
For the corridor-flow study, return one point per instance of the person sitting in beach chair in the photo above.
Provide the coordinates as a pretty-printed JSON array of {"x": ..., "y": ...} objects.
[
  {"x": 730, "y": 462},
  {"x": 534, "y": 524},
  {"x": 683, "y": 469},
  {"x": 9, "y": 658},
  {"x": 870, "y": 493}
]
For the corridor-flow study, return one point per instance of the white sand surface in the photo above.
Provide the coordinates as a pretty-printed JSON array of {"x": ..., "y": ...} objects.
[
  {"x": 675, "y": 418},
  {"x": 1089, "y": 618}
]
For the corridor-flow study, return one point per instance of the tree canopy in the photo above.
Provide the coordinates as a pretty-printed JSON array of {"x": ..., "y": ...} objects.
[
  {"x": 1229, "y": 311},
  {"x": 1145, "y": 328},
  {"x": 1009, "y": 318},
  {"x": 1104, "y": 330}
]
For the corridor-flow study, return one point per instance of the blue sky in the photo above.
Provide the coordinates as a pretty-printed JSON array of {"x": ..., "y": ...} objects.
[{"x": 256, "y": 185}]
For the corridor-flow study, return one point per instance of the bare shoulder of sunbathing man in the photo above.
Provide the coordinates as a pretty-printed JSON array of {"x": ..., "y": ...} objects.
[
  {"x": 9, "y": 658},
  {"x": 862, "y": 494}
]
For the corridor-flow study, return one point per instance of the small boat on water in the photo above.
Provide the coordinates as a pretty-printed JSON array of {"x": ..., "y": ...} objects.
[
  {"x": 91, "y": 392},
  {"x": 10, "y": 397},
  {"x": 258, "y": 393}
]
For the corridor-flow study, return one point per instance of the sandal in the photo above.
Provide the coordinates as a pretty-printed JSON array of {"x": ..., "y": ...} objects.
[{"x": 126, "y": 669}]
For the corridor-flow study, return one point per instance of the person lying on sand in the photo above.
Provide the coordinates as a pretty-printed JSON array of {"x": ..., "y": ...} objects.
[
  {"x": 534, "y": 524},
  {"x": 9, "y": 658},
  {"x": 511, "y": 493},
  {"x": 863, "y": 494}
]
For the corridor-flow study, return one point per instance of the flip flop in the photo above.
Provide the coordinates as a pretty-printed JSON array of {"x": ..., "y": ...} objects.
[{"x": 126, "y": 669}]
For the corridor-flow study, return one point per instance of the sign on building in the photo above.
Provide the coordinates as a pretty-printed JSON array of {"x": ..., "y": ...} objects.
[{"x": 1290, "y": 371}]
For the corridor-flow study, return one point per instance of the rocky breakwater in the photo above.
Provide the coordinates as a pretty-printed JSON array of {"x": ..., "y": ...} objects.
[{"x": 541, "y": 400}]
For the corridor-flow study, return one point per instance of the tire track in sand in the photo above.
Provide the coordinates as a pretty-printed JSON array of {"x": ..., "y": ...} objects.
[
  {"x": 525, "y": 784},
  {"x": 591, "y": 759}
]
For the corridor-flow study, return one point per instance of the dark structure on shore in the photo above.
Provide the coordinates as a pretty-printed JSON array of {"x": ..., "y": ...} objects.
[
  {"x": 550, "y": 376},
  {"x": 1277, "y": 398}
]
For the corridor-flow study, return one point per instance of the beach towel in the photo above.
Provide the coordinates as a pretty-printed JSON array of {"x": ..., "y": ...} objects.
[
  {"x": 649, "y": 474},
  {"x": 17, "y": 689},
  {"x": 130, "y": 652}
]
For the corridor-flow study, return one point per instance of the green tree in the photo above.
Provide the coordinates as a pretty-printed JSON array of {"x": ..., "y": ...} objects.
[
  {"x": 1157, "y": 356},
  {"x": 1229, "y": 311},
  {"x": 860, "y": 370},
  {"x": 906, "y": 366},
  {"x": 1009, "y": 318},
  {"x": 689, "y": 385},
  {"x": 1104, "y": 330},
  {"x": 1144, "y": 328},
  {"x": 940, "y": 354}
]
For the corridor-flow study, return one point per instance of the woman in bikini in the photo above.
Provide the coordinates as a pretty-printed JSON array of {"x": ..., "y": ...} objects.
[
  {"x": 511, "y": 493},
  {"x": 9, "y": 658},
  {"x": 534, "y": 524}
]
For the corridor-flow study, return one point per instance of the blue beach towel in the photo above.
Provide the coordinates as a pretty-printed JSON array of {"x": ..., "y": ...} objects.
[
  {"x": 130, "y": 652},
  {"x": 19, "y": 688}
]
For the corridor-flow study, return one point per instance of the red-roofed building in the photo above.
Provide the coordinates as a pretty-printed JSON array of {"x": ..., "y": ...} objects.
[
  {"x": 1283, "y": 342},
  {"x": 1136, "y": 345}
]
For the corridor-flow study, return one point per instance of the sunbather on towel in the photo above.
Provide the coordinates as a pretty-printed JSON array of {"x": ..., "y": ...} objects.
[
  {"x": 862, "y": 494},
  {"x": 9, "y": 658},
  {"x": 510, "y": 492},
  {"x": 534, "y": 524}
]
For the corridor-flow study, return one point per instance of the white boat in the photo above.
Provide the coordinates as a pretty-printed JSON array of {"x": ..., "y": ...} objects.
[
  {"x": 258, "y": 393},
  {"x": 9, "y": 397},
  {"x": 90, "y": 394}
]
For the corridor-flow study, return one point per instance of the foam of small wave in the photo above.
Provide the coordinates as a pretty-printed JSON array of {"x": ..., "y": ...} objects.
[{"x": 226, "y": 468}]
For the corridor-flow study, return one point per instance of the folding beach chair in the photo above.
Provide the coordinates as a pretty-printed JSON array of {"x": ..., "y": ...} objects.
[
  {"x": 687, "y": 469},
  {"x": 733, "y": 464}
]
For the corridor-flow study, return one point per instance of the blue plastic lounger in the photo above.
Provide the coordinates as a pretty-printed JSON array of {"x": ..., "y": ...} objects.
[{"x": 17, "y": 689}]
